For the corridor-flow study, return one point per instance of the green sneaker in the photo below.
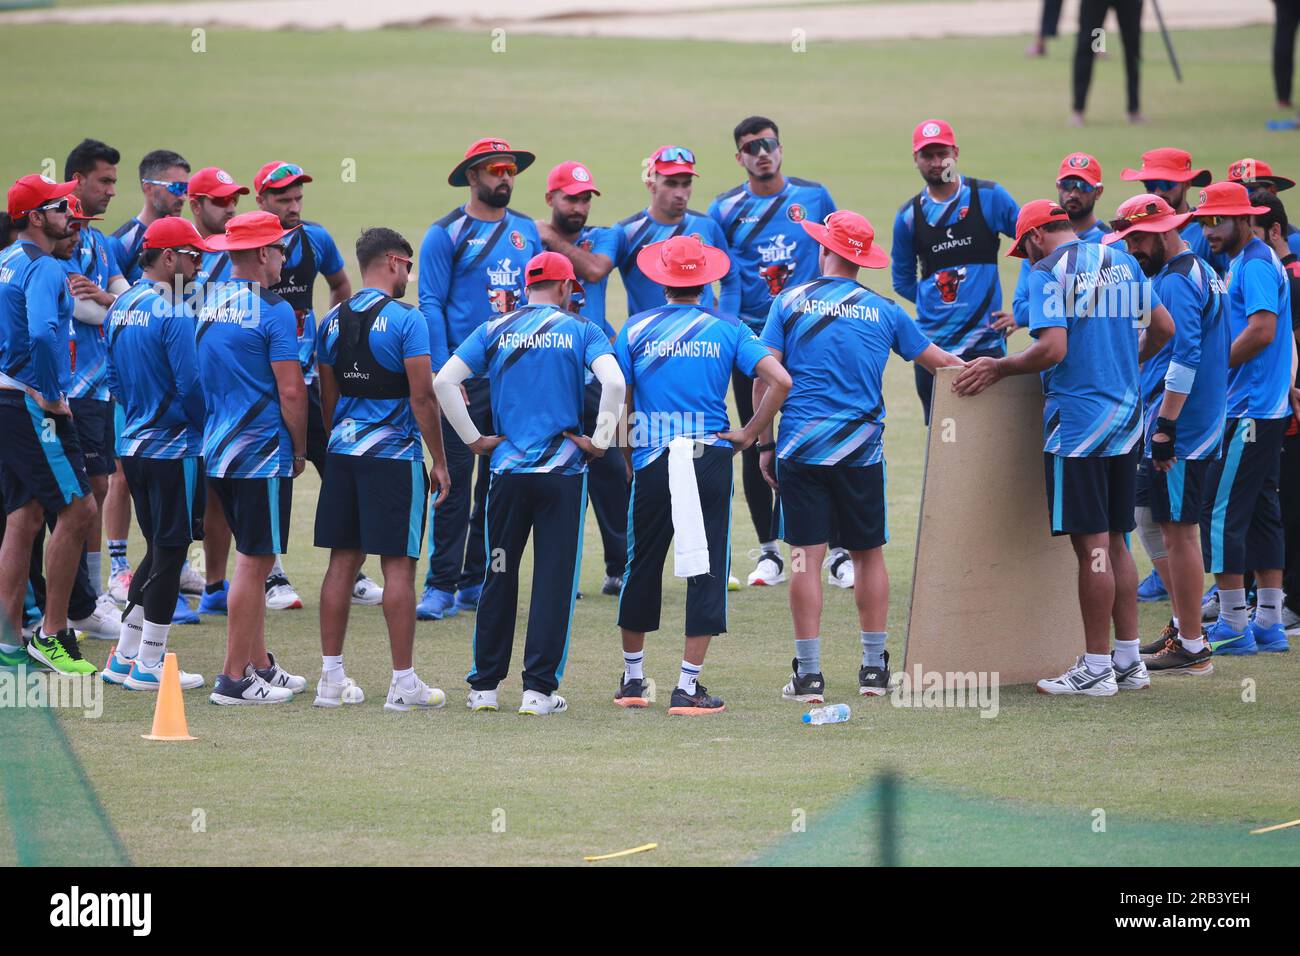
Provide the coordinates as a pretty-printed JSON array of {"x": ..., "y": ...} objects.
[
  {"x": 15, "y": 658},
  {"x": 60, "y": 652}
]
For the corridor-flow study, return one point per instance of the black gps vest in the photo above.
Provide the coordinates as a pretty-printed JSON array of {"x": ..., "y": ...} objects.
[
  {"x": 295, "y": 284},
  {"x": 954, "y": 242},
  {"x": 357, "y": 371}
]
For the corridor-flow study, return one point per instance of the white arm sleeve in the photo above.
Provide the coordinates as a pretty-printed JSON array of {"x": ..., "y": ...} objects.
[
  {"x": 446, "y": 385},
  {"x": 612, "y": 390},
  {"x": 89, "y": 312},
  {"x": 118, "y": 285}
]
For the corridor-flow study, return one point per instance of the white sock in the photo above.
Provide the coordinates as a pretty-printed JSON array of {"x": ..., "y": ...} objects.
[
  {"x": 331, "y": 668},
  {"x": 153, "y": 643},
  {"x": 690, "y": 674},
  {"x": 1174, "y": 621},
  {"x": 1097, "y": 663},
  {"x": 95, "y": 568},
  {"x": 9, "y": 648},
  {"x": 277, "y": 568},
  {"x": 1193, "y": 644},
  {"x": 405, "y": 678},
  {"x": 1233, "y": 611},
  {"x": 1270, "y": 607},
  {"x": 1126, "y": 653},
  {"x": 128, "y": 641},
  {"x": 769, "y": 546},
  {"x": 634, "y": 665}
]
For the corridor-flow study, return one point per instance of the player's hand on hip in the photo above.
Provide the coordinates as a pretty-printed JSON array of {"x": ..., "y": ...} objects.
[
  {"x": 740, "y": 439},
  {"x": 441, "y": 480},
  {"x": 1295, "y": 402},
  {"x": 588, "y": 447},
  {"x": 978, "y": 375},
  {"x": 486, "y": 444},
  {"x": 767, "y": 465}
]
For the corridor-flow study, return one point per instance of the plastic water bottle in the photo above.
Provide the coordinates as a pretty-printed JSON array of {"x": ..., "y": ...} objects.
[{"x": 832, "y": 714}]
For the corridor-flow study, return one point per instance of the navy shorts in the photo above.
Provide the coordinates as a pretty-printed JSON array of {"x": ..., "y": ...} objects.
[
  {"x": 1091, "y": 495},
  {"x": 169, "y": 497},
  {"x": 97, "y": 433},
  {"x": 1241, "y": 523},
  {"x": 650, "y": 534},
  {"x": 1177, "y": 495},
  {"x": 40, "y": 457},
  {"x": 317, "y": 438},
  {"x": 257, "y": 510},
  {"x": 817, "y": 498},
  {"x": 375, "y": 505}
]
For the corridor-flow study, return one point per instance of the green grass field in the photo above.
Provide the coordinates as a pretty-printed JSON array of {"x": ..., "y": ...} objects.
[{"x": 366, "y": 787}]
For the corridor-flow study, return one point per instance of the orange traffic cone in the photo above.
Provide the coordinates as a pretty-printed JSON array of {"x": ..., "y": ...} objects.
[{"x": 169, "y": 713}]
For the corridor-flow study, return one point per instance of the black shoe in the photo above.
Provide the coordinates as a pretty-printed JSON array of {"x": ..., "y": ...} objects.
[
  {"x": 873, "y": 681},
  {"x": 1167, "y": 633},
  {"x": 631, "y": 693},
  {"x": 807, "y": 689},
  {"x": 613, "y": 584},
  {"x": 695, "y": 705},
  {"x": 1176, "y": 659}
]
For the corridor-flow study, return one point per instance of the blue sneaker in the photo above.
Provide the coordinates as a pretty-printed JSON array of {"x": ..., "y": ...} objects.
[
  {"x": 1225, "y": 641},
  {"x": 183, "y": 614},
  {"x": 467, "y": 598},
  {"x": 1271, "y": 639},
  {"x": 117, "y": 668},
  {"x": 215, "y": 602},
  {"x": 435, "y": 605},
  {"x": 1210, "y": 604},
  {"x": 1152, "y": 589}
]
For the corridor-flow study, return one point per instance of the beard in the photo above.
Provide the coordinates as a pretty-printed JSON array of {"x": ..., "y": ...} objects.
[
  {"x": 571, "y": 224},
  {"x": 1152, "y": 264},
  {"x": 1079, "y": 209},
  {"x": 497, "y": 198}
]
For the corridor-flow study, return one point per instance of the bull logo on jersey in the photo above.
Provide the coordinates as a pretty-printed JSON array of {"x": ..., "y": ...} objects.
[
  {"x": 301, "y": 316},
  {"x": 948, "y": 281},
  {"x": 776, "y": 276},
  {"x": 961, "y": 213},
  {"x": 503, "y": 300},
  {"x": 585, "y": 245},
  {"x": 517, "y": 239},
  {"x": 796, "y": 213},
  {"x": 506, "y": 273}
]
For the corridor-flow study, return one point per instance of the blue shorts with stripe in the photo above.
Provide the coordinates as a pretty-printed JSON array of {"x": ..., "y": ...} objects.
[
  {"x": 375, "y": 505},
  {"x": 1176, "y": 496},
  {"x": 1094, "y": 495},
  {"x": 40, "y": 456},
  {"x": 169, "y": 496},
  {"x": 97, "y": 434},
  {"x": 1241, "y": 523},
  {"x": 257, "y": 510}
]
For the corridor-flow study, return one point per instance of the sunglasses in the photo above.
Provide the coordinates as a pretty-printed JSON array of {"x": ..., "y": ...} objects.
[
  {"x": 225, "y": 202},
  {"x": 1159, "y": 185},
  {"x": 500, "y": 169},
  {"x": 280, "y": 247},
  {"x": 769, "y": 144},
  {"x": 176, "y": 189},
  {"x": 674, "y": 154},
  {"x": 59, "y": 205},
  {"x": 1075, "y": 185},
  {"x": 196, "y": 256},
  {"x": 283, "y": 171},
  {"x": 1211, "y": 222},
  {"x": 409, "y": 263}
]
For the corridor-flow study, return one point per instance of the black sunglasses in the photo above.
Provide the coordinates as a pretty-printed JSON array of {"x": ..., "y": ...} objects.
[{"x": 769, "y": 144}]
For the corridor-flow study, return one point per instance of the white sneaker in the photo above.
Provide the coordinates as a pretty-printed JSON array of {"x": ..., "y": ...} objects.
[
  {"x": 118, "y": 585},
  {"x": 277, "y": 676},
  {"x": 770, "y": 569},
  {"x": 330, "y": 694},
  {"x": 1133, "y": 677},
  {"x": 1079, "y": 680},
  {"x": 191, "y": 581},
  {"x": 280, "y": 595},
  {"x": 1290, "y": 622},
  {"x": 420, "y": 695},
  {"x": 539, "y": 705},
  {"x": 149, "y": 677},
  {"x": 839, "y": 565},
  {"x": 104, "y": 622},
  {"x": 366, "y": 592},
  {"x": 482, "y": 700},
  {"x": 250, "y": 690}
]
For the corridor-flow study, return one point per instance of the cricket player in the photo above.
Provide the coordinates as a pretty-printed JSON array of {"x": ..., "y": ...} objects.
[
  {"x": 949, "y": 230},
  {"x": 1167, "y": 172},
  {"x": 1087, "y": 303},
  {"x": 1256, "y": 174},
  {"x": 534, "y": 358},
  {"x": 678, "y": 359},
  {"x": 377, "y": 400},
  {"x": 471, "y": 268},
  {"x": 834, "y": 336}
]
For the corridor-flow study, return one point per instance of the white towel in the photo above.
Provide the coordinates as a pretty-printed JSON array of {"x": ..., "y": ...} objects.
[{"x": 690, "y": 546}]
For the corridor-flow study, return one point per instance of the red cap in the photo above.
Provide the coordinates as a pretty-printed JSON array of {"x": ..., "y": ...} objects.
[
  {"x": 1144, "y": 213},
  {"x": 1038, "y": 212},
  {"x": 173, "y": 232},
  {"x": 217, "y": 183},
  {"x": 673, "y": 160},
  {"x": 1226, "y": 199},
  {"x": 484, "y": 149},
  {"x": 682, "y": 261},
  {"x": 1167, "y": 163},
  {"x": 1251, "y": 172},
  {"x": 35, "y": 190},
  {"x": 572, "y": 179},
  {"x": 249, "y": 230},
  {"x": 75, "y": 210},
  {"x": 551, "y": 267},
  {"x": 851, "y": 237},
  {"x": 278, "y": 174},
  {"x": 932, "y": 131},
  {"x": 1080, "y": 165}
]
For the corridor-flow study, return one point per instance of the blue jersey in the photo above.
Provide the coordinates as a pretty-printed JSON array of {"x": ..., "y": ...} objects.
[
  {"x": 92, "y": 259},
  {"x": 955, "y": 302},
  {"x": 677, "y": 360},
  {"x": 472, "y": 271},
  {"x": 35, "y": 321},
  {"x": 534, "y": 358},
  {"x": 766, "y": 241},
  {"x": 1099, "y": 295},
  {"x": 309, "y": 252},
  {"x": 601, "y": 241},
  {"x": 241, "y": 330},
  {"x": 1194, "y": 236},
  {"x": 125, "y": 244},
  {"x": 213, "y": 269},
  {"x": 378, "y": 427},
  {"x": 642, "y": 229},
  {"x": 1195, "y": 361},
  {"x": 835, "y": 337},
  {"x": 1293, "y": 239},
  {"x": 1020, "y": 301},
  {"x": 153, "y": 368},
  {"x": 1260, "y": 388}
]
